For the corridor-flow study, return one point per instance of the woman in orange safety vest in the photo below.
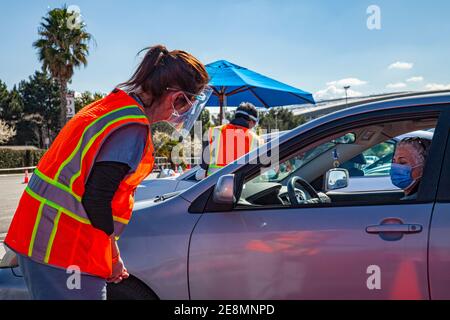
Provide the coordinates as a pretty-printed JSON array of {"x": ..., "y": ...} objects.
[{"x": 80, "y": 197}]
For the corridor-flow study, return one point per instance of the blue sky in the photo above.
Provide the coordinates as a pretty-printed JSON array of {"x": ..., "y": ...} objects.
[{"x": 310, "y": 44}]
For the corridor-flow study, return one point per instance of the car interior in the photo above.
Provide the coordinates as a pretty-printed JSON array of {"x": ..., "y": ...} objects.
[{"x": 299, "y": 178}]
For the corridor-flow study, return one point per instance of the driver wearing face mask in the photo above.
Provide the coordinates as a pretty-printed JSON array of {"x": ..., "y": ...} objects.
[{"x": 407, "y": 165}]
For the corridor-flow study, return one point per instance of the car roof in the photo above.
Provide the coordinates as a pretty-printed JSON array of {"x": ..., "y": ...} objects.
[{"x": 411, "y": 101}]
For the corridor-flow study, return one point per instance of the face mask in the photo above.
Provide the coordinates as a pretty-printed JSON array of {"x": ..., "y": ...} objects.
[{"x": 401, "y": 175}]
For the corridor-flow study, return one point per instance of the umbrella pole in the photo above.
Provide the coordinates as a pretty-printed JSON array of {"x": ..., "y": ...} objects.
[{"x": 220, "y": 109}]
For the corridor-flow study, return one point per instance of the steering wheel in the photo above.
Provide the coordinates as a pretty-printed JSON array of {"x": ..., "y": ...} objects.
[{"x": 297, "y": 196}]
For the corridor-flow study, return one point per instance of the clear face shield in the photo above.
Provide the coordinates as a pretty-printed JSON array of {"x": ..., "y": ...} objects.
[{"x": 184, "y": 122}]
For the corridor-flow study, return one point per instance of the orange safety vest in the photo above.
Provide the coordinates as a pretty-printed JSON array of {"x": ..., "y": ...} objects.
[
  {"x": 51, "y": 225},
  {"x": 228, "y": 143}
]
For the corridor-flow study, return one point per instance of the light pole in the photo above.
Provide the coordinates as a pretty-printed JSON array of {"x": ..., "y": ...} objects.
[{"x": 346, "y": 96}]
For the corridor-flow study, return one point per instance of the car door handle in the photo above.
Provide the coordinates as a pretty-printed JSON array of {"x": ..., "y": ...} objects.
[{"x": 394, "y": 228}]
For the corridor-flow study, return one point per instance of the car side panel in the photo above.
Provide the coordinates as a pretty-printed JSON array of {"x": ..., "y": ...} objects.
[
  {"x": 155, "y": 246},
  {"x": 308, "y": 253},
  {"x": 439, "y": 252}
]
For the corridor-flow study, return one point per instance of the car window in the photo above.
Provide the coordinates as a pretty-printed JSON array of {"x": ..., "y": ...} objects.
[
  {"x": 279, "y": 172},
  {"x": 313, "y": 166},
  {"x": 375, "y": 161}
]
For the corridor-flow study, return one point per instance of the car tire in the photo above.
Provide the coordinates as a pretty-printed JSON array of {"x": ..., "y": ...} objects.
[{"x": 129, "y": 289}]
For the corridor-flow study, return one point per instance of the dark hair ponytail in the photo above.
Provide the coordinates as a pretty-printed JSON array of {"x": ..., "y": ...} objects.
[{"x": 161, "y": 69}]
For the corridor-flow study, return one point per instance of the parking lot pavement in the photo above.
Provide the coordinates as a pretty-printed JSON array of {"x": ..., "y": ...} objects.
[
  {"x": 11, "y": 188},
  {"x": 2, "y": 250}
]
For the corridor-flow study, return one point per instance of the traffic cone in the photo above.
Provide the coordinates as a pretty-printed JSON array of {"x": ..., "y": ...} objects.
[{"x": 25, "y": 179}]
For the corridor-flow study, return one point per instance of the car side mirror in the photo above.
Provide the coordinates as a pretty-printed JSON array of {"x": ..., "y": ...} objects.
[
  {"x": 224, "y": 190},
  {"x": 8, "y": 258},
  {"x": 336, "y": 179}
]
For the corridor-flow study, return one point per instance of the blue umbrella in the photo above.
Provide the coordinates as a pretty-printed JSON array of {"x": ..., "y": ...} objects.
[{"x": 233, "y": 84}]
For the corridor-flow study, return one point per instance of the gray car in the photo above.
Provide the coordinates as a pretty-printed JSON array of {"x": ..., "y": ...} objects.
[{"x": 243, "y": 233}]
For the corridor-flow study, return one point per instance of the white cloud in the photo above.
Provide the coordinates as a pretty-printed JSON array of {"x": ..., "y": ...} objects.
[
  {"x": 398, "y": 85},
  {"x": 334, "y": 92},
  {"x": 401, "y": 65},
  {"x": 437, "y": 86},
  {"x": 354, "y": 82},
  {"x": 415, "y": 79},
  {"x": 335, "y": 89}
]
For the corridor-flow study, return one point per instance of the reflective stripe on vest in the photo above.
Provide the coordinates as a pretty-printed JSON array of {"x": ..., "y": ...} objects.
[
  {"x": 70, "y": 169},
  {"x": 214, "y": 144},
  {"x": 46, "y": 225},
  {"x": 57, "y": 198},
  {"x": 213, "y": 169},
  {"x": 54, "y": 201},
  {"x": 50, "y": 224},
  {"x": 57, "y": 193},
  {"x": 215, "y": 135},
  {"x": 119, "y": 226}
]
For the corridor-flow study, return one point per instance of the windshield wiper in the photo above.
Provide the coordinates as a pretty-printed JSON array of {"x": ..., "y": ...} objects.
[{"x": 166, "y": 196}]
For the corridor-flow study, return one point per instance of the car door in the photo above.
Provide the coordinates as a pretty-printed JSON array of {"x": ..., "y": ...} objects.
[
  {"x": 371, "y": 251},
  {"x": 439, "y": 247}
]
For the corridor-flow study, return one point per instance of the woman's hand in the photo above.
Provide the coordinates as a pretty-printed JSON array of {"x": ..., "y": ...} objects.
[{"x": 119, "y": 272}]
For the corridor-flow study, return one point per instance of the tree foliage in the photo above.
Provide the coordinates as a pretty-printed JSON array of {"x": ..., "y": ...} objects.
[
  {"x": 62, "y": 47},
  {"x": 13, "y": 106},
  {"x": 31, "y": 110},
  {"x": 87, "y": 98},
  {"x": 163, "y": 144},
  {"x": 6, "y": 132},
  {"x": 274, "y": 118},
  {"x": 41, "y": 110},
  {"x": 4, "y": 95},
  {"x": 216, "y": 118},
  {"x": 279, "y": 118},
  {"x": 205, "y": 118}
]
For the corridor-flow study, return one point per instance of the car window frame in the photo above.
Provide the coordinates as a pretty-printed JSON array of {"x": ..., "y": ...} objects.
[
  {"x": 204, "y": 203},
  {"x": 342, "y": 204},
  {"x": 443, "y": 187}
]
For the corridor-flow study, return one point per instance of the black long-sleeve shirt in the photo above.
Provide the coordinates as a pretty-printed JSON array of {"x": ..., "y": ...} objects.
[{"x": 100, "y": 188}]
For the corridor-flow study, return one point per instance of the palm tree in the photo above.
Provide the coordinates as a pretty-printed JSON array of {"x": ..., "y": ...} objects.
[{"x": 62, "y": 46}]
